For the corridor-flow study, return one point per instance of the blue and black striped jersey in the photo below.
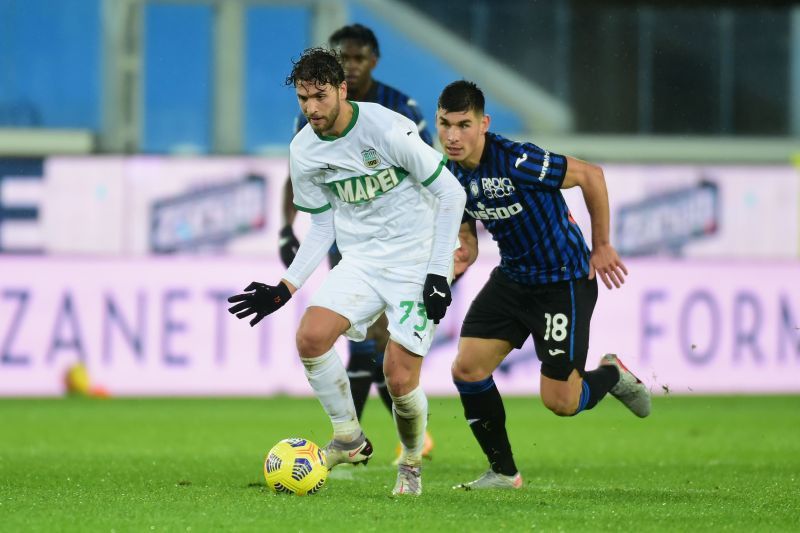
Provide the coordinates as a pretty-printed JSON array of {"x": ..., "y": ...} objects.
[
  {"x": 387, "y": 96},
  {"x": 515, "y": 192}
]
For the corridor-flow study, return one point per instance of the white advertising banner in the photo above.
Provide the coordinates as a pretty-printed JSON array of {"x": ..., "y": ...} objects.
[
  {"x": 145, "y": 204},
  {"x": 159, "y": 326},
  {"x": 700, "y": 211},
  {"x": 157, "y": 205}
]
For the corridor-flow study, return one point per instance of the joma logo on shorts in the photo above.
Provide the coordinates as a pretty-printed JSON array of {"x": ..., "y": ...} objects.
[{"x": 365, "y": 188}]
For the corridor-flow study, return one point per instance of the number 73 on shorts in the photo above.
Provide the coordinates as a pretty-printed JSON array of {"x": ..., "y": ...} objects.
[{"x": 421, "y": 316}]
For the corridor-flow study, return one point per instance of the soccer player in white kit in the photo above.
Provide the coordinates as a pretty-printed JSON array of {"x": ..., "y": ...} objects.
[{"x": 370, "y": 183}]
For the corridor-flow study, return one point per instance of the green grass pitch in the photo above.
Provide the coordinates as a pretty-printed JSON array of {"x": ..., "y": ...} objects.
[{"x": 698, "y": 463}]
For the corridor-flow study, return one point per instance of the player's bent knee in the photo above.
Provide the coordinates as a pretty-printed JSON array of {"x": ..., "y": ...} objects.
[
  {"x": 319, "y": 328},
  {"x": 462, "y": 372},
  {"x": 400, "y": 382},
  {"x": 399, "y": 385},
  {"x": 561, "y": 404},
  {"x": 562, "y": 410},
  {"x": 312, "y": 341}
]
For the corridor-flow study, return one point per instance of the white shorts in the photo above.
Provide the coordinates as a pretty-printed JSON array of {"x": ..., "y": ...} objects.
[{"x": 361, "y": 293}]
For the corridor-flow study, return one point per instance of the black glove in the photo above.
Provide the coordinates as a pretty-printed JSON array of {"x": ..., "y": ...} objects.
[
  {"x": 259, "y": 299},
  {"x": 436, "y": 296},
  {"x": 288, "y": 245}
]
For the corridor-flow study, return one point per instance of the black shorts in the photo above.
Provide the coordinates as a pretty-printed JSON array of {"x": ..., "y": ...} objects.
[{"x": 556, "y": 314}]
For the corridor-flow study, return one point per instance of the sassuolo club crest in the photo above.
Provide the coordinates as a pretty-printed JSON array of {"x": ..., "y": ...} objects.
[{"x": 371, "y": 159}]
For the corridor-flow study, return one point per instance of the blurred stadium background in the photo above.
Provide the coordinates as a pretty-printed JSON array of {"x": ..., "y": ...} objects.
[{"x": 143, "y": 148}]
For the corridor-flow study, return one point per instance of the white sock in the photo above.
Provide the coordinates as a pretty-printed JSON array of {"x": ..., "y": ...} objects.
[
  {"x": 411, "y": 417},
  {"x": 328, "y": 378}
]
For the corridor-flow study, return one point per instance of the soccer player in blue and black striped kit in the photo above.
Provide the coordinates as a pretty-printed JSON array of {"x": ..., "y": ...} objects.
[
  {"x": 359, "y": 51},
  {"x": 545, "y": 285}
]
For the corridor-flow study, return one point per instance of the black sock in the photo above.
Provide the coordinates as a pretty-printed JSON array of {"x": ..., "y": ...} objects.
[
  {"x": 596, "y": 384},
  {"x": 360, "y": 368},
  {"x": 483, "y": 409}
]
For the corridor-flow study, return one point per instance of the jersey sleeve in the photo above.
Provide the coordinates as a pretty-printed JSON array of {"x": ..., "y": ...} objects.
[
  {"x": 420, "y": 160},
  {"x": 411, "y": 110},
  {"x": 536, "y": 167},
  {"x": 309, "y": 197}
]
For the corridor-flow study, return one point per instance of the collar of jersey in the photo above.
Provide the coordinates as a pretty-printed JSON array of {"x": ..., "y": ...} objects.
[
  {"x": 346, "y": 130},
  {"x": 489, "y": 137}
]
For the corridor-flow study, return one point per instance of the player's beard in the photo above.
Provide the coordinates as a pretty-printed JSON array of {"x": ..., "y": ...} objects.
[{"x": 328, "y": 122}]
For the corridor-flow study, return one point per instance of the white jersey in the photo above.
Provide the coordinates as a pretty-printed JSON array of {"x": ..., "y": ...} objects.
[{"x": 373, "y": 177}]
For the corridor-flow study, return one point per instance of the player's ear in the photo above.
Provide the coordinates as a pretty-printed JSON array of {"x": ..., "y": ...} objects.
[
  {"x": 343, "y": 90},
  {"x": 373, "y": 61},
  {"x": 485, "y": 121}
]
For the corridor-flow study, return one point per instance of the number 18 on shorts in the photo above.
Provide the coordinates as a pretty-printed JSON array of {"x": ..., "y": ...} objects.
[{"x": 557, "y": 315}]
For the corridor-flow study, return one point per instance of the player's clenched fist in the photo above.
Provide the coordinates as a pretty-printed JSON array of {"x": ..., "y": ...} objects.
[
  {"x": 259, "y": 299},
  {"x": 436, "y": 296}
]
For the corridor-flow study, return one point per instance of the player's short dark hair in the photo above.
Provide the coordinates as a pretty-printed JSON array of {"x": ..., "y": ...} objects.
[
  {"x": 461, "y": 96},
  {"x": 319, "y": 66},
  {"x": 358, "y": 33}
]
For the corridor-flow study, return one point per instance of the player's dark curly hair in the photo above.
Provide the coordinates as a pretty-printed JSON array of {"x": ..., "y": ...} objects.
[
  {"x": 358, "y": 33},
  {"x": 317, "y": 65},
  {"x": 462, "y": 95}
]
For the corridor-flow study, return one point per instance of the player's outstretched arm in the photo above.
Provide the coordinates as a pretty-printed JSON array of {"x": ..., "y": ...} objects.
[
  {"x": 604, "y": 259},
  {"x": 314, "y": 248},
  {"x": 261, "y": 300},
  {"x": 287, "y": 241},
  {"x": 436, "y": 291},
  {"x": 428, "y": 166}
]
